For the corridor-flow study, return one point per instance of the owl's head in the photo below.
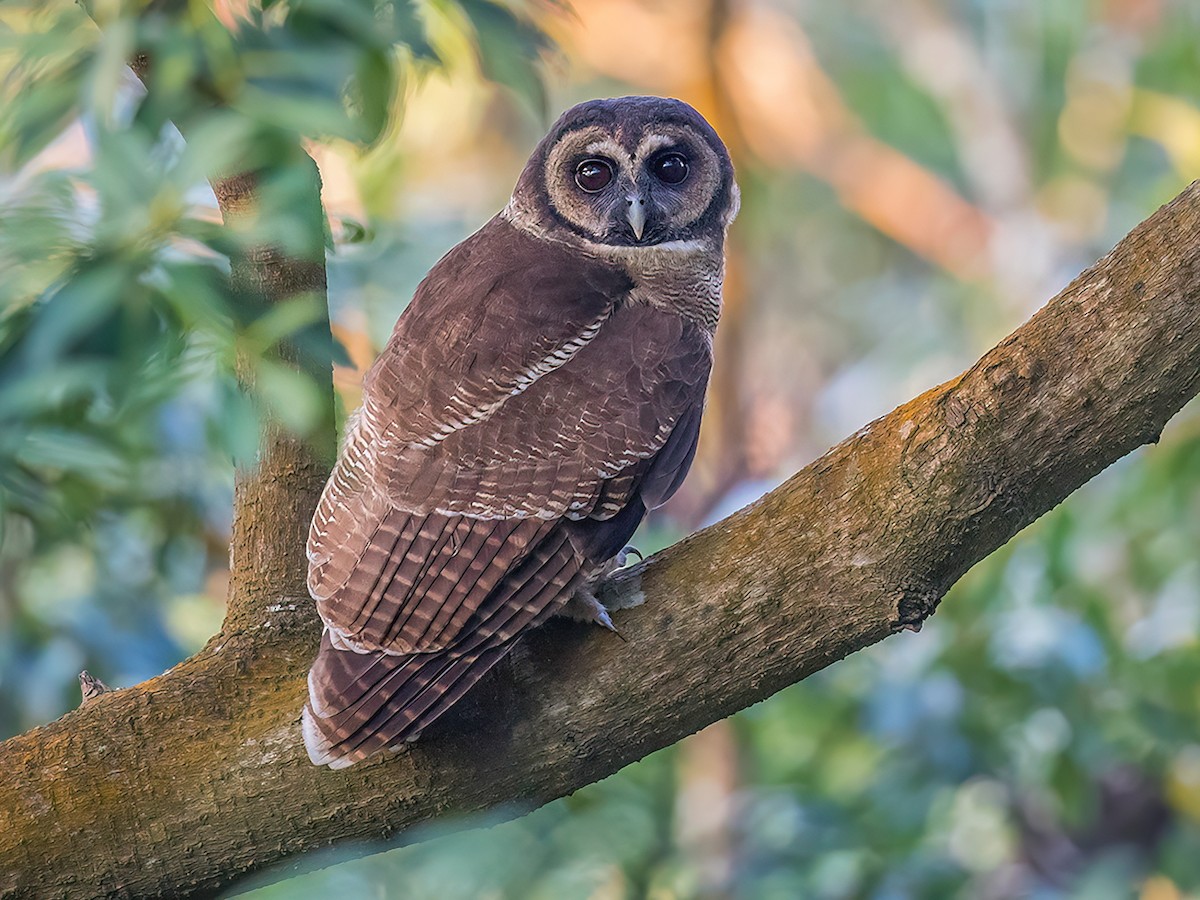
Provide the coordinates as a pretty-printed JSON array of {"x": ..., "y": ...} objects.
[{"x": 630, "y": 172}]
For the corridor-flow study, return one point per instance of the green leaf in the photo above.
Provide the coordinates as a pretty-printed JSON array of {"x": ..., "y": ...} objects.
[
  {"x": 290, "y": 395},
  {"x": 41, "y": 91},
  {"x": 509, "y": 50},
  {"x": 89, "y": 456},
  {"x": 283, "y": 320},
  {"x": 236, "y": 429},
  {"x": 372, "y": 90},
  {"x": 74, "y": 311},
  {"x": 411, "y": 30}
]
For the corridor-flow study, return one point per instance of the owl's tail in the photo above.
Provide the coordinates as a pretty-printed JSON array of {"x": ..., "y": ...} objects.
[{"x": 358, "y": 703}]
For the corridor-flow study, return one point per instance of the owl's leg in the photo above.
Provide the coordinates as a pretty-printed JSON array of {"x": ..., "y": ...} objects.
[
  {"x": 586, "y": 606},
  {"x": 624, "y": 594}
]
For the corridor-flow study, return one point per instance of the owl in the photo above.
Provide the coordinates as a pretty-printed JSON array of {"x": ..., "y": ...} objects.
[{"x": 539, "y": 394}]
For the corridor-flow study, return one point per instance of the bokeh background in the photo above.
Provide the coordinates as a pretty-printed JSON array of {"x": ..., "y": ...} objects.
[{"x": 918, "y": 177}]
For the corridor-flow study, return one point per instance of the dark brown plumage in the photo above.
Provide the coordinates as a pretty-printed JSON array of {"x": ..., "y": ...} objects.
[{"x": 541, "y": 392}]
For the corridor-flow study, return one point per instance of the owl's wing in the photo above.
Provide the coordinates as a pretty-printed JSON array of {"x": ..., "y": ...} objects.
[
  {"x": 405, "y": 549},
  {"x": 507, "y": 436}
]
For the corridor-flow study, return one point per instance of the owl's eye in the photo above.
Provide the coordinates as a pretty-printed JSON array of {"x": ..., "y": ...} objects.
[
  {"x": 671, "y": 168},
  {"x": 593, "y": 175}
]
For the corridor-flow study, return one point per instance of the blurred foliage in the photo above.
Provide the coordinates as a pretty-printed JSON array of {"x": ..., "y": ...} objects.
[{"x": 917, "y": 178}]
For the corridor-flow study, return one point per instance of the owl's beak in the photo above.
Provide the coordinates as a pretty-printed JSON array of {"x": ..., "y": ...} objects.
[{"x": 635, "y": 213}]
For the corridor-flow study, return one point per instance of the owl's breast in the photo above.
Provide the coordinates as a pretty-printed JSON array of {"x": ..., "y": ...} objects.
[{"x": 683, "y": 278}]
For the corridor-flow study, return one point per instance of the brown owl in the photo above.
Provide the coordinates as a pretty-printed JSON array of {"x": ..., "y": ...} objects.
[{"x": 542, "y": 391}]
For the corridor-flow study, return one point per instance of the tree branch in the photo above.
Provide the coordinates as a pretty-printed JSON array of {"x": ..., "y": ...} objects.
[{"x": 180, "y": 786}]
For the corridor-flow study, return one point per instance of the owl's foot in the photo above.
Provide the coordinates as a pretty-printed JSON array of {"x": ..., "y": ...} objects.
[
  {"x": 617, "y": 562},
  {"x": 585, "y": 606},
  {"x": 623, "y": 591}
]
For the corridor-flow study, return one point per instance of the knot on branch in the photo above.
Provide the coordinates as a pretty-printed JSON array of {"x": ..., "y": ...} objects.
[
  {"x": 915, "y": 604},
  {"x": 91, "y": 687}
]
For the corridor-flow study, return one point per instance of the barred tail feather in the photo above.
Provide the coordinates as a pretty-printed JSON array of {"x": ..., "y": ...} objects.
[
  {"x": 361, "y": 703},
  {"x": 361, "y": 700}
]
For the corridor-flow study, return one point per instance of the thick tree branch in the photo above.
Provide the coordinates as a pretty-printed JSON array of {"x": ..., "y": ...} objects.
[{"x": 179, "y": 786}]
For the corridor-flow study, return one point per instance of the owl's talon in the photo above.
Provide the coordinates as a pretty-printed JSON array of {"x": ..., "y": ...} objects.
[
  {"x": 585, "y": 606},
  {"x": 605, "y": 620},
  {"x": 601, "y": 617},
  {"x": 623, "y": 557}
]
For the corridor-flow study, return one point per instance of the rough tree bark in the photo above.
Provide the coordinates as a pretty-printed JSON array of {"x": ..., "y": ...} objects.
[{"x": 182, "y": 785}]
